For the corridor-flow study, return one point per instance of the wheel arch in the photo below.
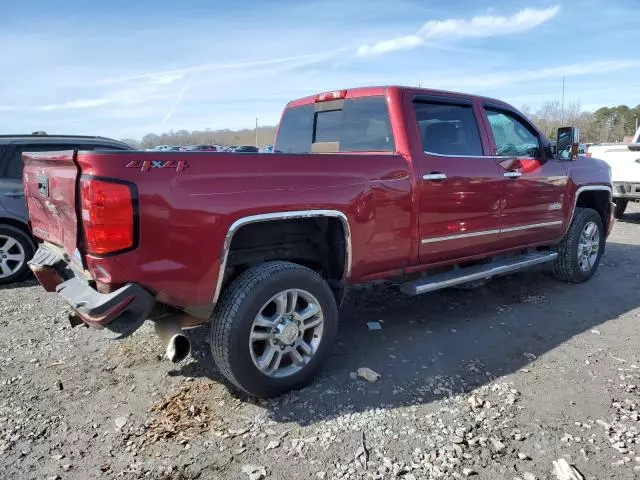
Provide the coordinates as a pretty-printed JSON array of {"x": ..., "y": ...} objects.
[
  {"x": 597, "y": 197},
  {"x": 267, "y": 218},
  {"x": 22, "y": 226}
]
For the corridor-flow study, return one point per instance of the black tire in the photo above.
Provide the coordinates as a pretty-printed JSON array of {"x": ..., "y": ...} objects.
[
  {"x": 24, "y": 242},
  {"x": 234, "y": 316},
  {"x": 566, "y": 267},
  {"x": 621, "y": 206}
]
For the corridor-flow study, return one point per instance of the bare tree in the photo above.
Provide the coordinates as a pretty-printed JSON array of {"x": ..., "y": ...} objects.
[{"x": 131, "y": 142}]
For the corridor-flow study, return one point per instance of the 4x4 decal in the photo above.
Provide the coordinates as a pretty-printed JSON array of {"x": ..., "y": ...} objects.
[{"x": 146, "y": 165}]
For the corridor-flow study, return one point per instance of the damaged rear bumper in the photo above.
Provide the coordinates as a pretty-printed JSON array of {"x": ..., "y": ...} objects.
[{"x": 121, "y": 312}]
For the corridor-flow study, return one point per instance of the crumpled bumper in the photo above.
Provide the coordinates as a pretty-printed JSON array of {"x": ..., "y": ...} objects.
[{"x": 121, "y": 312}]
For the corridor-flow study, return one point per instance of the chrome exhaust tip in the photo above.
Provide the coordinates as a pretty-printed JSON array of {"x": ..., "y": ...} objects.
[{"x": 177, "y": 346}]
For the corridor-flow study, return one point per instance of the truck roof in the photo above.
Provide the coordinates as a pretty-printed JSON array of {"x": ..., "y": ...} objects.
[{"x": 383, "y": 90}]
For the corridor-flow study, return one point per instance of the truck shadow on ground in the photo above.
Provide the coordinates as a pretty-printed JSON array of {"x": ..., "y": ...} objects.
[
  {"x": 458, "y": 339},
  {"x": 630, "y": 218}
]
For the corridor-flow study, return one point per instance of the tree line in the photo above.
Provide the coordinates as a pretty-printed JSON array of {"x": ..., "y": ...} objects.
[
  {"x": 226, "y": 137},
  {"x": 607, "y": 124}
]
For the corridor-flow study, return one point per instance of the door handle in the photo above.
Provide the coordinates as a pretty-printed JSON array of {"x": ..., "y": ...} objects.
[
  {"x": 434, "y": 176},
  {"x": 512, "y": 174}
]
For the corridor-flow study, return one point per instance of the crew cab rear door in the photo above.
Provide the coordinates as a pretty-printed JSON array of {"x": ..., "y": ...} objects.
[
  {"x": 460, "y": 187},
  {"x": 535, "y": 186}
]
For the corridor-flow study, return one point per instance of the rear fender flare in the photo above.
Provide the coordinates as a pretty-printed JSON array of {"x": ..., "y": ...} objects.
[{"x": 268, "y": 217}]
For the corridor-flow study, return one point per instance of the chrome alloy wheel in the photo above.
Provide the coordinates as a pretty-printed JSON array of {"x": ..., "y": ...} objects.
[
  {"x": 12, "y": 256},
  {"x": 588, "y": 246},
  {"x": 286, "y": 333}
]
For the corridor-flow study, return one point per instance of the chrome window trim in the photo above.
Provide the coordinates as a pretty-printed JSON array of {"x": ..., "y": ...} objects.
[{"x": 267, "y": 217}]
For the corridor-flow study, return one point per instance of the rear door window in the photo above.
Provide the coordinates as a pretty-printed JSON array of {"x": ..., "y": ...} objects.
[
  {"x": 361, "y": 125},
  {"x": 448, "y": 129}
]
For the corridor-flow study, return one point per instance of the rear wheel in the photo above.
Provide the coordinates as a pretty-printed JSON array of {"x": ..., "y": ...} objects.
[
  {"x": 581, "y": 248},
  {"x": 273, "y": 327},
  {"x": 621, "y": 206},
  {"x": 16, "y": 249}
]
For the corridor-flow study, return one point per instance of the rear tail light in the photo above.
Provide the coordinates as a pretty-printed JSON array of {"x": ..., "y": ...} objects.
[
  {"x": 107, "y": 215},
  {"x": 336, "y": 95}
]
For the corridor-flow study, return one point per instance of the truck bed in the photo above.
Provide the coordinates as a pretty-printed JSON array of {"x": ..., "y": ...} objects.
[{"x": 187, "y": 203}]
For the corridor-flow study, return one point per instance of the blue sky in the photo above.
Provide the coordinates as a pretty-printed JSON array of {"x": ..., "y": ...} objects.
[{"x": 122, "y": 68}]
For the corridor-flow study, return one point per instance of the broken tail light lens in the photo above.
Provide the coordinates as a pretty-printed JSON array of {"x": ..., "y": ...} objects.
[{"x": 107, "y": 215}]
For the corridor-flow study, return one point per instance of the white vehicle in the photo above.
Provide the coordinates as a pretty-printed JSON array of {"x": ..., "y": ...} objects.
[{"x": 624, "y": 160}]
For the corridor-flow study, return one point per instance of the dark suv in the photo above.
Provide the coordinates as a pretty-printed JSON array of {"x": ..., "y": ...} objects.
[{"x": 16, "y": 244}]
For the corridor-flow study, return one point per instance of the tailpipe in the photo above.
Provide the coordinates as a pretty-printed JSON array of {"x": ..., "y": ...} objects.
[{"x": 177, "y": 345}]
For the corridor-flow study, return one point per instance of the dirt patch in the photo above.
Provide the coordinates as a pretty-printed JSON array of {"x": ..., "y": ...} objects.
[{"x": 184, "y": 415}]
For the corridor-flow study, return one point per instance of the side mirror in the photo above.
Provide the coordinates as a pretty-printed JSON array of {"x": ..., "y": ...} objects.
[{"x": 568, "y": 142}]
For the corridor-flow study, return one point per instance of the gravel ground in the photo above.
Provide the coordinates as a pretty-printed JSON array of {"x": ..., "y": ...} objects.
[{"x": 494, "y": 383}]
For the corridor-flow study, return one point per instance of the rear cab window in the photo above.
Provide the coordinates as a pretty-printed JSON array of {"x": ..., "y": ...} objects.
[{"x": 355, "y": 125}]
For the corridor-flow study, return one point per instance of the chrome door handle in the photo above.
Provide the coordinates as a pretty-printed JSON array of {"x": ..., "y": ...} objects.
[
  {"x": 434, "y": 176},
  {"x": 512, "y": 174}
]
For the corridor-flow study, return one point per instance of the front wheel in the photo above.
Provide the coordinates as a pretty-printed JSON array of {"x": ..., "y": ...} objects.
[
  {"x": 273, "y": 327},
  {"x": 581, "y": 248},
  {"x": 621, "y": 206}
]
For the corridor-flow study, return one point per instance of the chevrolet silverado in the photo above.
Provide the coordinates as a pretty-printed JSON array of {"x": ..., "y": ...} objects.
[{"x": 424, "y": 188}]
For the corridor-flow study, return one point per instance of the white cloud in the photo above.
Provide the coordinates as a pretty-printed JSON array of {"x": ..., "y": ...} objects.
[
  {"x": 456, "y": 28},
  {"x": 488, "y": 81},
  {"x": 85, "y": 103},
  {"x": 169, "y": 76},
  {"x": 165, "y": 78},
  {"x": 399, "y": 43}
]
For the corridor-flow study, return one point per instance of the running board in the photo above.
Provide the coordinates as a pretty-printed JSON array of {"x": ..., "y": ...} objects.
[{"x": 458, "y": 276}]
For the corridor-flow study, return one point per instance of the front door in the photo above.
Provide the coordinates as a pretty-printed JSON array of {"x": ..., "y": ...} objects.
[
  {"x": 460, "y": 187},
  {"x": 535, "y": 186}
]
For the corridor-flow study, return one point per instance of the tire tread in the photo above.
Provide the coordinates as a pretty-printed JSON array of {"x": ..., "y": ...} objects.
[
  {"x": 565, "y": 267},
  {"x": 223, "y": 324}
]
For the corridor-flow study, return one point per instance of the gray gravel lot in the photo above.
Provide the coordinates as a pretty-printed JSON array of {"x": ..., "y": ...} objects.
[{"x": 492, "y": 383}]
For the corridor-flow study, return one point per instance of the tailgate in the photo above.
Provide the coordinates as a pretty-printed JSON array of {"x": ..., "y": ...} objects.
[{"x": 50, "y": 190}]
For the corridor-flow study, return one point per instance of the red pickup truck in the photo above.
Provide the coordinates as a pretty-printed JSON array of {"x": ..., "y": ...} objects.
[{"x": 425, "y": 188}]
